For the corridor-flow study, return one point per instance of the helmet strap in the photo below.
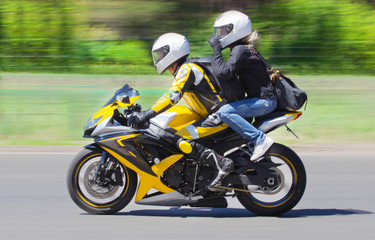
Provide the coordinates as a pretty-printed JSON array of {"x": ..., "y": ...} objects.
[
  {"x": 173, "y": 69},
  {"x": 176, "y": 66}
]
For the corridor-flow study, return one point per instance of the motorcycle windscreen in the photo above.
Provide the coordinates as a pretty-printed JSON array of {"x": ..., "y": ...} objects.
[{"x": 126, "y": 90}]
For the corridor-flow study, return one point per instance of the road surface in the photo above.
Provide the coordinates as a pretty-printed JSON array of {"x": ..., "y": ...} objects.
[{"x": 339, "y": 203}]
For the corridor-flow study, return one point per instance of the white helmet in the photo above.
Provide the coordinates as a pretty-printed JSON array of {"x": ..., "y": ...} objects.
[
  {"x": 232, "y": 26},
  {"x": 168, "y": 49}
]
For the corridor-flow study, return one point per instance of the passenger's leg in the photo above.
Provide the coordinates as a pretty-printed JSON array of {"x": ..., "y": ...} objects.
[{"x": 234, "y": 115}]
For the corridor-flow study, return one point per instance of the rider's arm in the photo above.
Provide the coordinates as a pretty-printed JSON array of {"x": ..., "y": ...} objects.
[{"x": 183, "y": 81}]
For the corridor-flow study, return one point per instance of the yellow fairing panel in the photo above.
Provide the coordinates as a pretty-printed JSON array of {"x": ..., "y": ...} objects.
[
  {"x": 204, "y": 132},
  {"x": 131, "y": 101},
  {"x": 147, "y": 181},
  {"x": 184, "y": 117},
  {"x": 109, "y": 109},
  {"x": 104, "y": 112},
  {"x": 192, "y": 132},
  {"x": 185, "y": 133}
]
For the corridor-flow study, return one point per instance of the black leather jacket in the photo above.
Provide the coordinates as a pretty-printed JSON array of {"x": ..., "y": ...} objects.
[{"x": 245, "y": 70}]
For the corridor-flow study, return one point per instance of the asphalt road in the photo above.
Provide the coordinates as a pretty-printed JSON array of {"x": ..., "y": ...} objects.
[{"x": 338, "y": 204}]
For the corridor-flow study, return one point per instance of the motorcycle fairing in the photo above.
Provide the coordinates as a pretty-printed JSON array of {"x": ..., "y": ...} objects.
[
  {"x": 107, "y": 110},
  {"x": 175, "y": 118},
  {"x": 169, "y": 199},
  {"x": 274, "y": 120},
  {"x": 122, "y": 148},
  {"x": 106, "y": 126},
  {"x": 101, "y": 121},
  {"x": 227, "y": 139},
  {"x": 122, "y": 145}
]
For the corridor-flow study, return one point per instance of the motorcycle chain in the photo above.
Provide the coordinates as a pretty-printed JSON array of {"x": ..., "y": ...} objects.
[{"x": 240, "y": 190}]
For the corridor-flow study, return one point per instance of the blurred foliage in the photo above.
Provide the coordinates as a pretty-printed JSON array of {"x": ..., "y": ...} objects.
[
  {"x": 47, "y": 108},
  {"x": 319, "y": 36},
  {"x": 113, "y": 36}
]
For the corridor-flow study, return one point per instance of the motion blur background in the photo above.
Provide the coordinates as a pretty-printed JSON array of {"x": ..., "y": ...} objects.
[{"x": 60, "y": 60}]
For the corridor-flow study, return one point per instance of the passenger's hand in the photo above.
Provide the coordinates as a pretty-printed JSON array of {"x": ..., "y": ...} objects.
[{"x": 214, "y": 42}]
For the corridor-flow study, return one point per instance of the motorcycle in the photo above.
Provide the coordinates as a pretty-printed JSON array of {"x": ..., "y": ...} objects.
[{"x": 123, "y": 161}]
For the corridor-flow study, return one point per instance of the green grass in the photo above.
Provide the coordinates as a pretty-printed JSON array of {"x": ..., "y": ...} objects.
[
  {"x": 51, "y": 109},
  {"x": 339, "y": 109}
]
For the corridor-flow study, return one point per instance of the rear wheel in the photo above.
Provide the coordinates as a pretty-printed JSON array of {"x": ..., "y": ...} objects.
[
  {"x": 291, "y": 182},
  {"x": 106, "y": 195}
]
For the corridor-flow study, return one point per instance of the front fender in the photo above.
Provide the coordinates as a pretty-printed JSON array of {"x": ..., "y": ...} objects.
[{"x": 93, "y": 146}]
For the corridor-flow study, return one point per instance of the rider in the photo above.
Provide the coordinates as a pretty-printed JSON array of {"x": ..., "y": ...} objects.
[
  {"x": 233, "y": 29},
  {"x": 170, "y": 51}
]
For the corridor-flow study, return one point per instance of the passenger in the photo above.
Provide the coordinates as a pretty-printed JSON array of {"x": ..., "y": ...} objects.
[{"x": 233, "y": 29}]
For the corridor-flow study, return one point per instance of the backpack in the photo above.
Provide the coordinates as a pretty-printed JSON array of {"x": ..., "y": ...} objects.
[{"x": 289, "y": 96}]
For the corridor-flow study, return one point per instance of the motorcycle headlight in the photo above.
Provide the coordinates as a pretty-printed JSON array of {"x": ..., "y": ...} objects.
[{"x": 90, "y": 126}]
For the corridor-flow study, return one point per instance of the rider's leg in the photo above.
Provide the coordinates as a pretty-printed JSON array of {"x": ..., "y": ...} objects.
[
  {"x": 234, "y": 115},
  {"x": 203, "y": 128},
  {"x": 223, "y": 165}
]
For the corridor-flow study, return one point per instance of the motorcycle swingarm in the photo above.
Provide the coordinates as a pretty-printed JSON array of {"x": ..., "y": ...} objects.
[
  {"x": 252, "y": 174},
  {"x": 235, "y": 179}
]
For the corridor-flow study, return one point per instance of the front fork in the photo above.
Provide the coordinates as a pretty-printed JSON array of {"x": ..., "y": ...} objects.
[
  {"x": 100, "y": 173},
  {"x": 105, "y": 171}
]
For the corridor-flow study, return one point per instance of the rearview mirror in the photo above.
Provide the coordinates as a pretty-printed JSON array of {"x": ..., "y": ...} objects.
[{"x": 123, "y": 98}]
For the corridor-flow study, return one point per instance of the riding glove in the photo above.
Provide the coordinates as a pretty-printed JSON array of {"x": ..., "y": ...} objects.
[
  {"x": 138, "y": 119},
  {"x": 214, "y": 42}
]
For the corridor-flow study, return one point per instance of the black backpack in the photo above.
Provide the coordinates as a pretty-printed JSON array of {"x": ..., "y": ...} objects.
[{"x": 289, "y": 96}]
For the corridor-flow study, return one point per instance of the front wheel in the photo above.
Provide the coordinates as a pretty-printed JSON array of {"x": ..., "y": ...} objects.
[
  {"x": 105, "y": 195},
  {"x": 291, "y": 183}
]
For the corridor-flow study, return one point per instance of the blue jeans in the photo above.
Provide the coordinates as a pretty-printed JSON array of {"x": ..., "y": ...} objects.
[{"x": 234, "y": 115}]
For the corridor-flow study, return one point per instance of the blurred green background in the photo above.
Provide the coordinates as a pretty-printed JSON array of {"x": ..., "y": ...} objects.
[{"x": 60, "y": 60}]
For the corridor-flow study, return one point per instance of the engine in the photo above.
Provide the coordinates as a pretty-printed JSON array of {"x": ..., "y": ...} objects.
[{"x": 187, "y": 176}]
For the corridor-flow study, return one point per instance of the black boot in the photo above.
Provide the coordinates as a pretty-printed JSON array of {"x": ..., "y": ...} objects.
[
  {"x": 223, "y": 166},
  {"x": 197, "y": 151}
]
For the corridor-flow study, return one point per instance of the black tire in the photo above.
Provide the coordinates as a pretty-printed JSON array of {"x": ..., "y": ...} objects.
[
  {"x": 289, "y": 192},
  {"x": 93, "y": 198}
]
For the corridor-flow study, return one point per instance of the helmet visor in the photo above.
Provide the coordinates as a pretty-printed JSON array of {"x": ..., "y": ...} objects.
[
  {"x": 160, "y": 53},
  {"x": 223, "y": 31}
]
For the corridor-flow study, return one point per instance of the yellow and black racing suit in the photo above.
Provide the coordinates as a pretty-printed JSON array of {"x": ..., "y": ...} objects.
[
  {"x": 204, "y": 99},
  {"x": 200, "y": 93}
]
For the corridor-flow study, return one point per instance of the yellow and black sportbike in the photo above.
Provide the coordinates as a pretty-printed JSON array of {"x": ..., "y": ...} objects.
[{"x": 123, "y": 161}]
